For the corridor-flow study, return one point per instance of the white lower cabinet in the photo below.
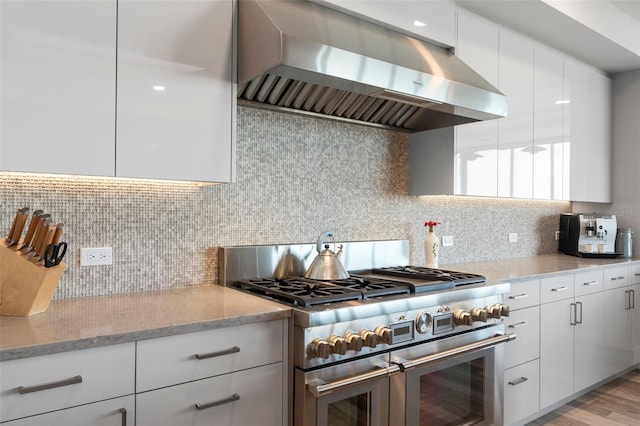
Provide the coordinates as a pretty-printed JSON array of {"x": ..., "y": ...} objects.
[
  {"x": 248, "y": 397},
  {"x": 43, "y": 384},
  {"x": 521, "y": 391},
  {"x": 112, "y": 412}
]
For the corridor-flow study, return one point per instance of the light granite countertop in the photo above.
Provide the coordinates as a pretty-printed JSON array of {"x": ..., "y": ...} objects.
[
  {"x": 539, "y": 266},
  {"x": 72, "y": 324}
]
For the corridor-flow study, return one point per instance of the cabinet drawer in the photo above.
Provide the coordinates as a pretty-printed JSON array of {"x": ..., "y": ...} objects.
[
  {"x": 523, "y": 294},
  {"x": 634, "y": 273},
  {"x": 113, "y": 412},
  {"x": 521, "y": 390},
  {"x": 616, "y": 277},
  {"x": 589, "y": 282},
  {"x": 556, "y": 288},
  {"x": 65, "y": 380},
  {"x": 525, "y": 323},
  {"x": 248, "y": 397},
  {"x": 177, "y": 359}
]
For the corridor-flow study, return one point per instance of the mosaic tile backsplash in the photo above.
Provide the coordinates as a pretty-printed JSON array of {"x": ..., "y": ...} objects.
[{"x": 296, "y": 177}]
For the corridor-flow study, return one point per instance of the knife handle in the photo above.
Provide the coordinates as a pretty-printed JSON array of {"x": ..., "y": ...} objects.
[
  {"x": 13, "y": 226},
  {"x": 21, "y": 219},
  {"x": 58, "y": 234},
  {"x": 35, "y": 220},
  {"x": 40, "y": 232},
  {"x": 49, "y": 232}
]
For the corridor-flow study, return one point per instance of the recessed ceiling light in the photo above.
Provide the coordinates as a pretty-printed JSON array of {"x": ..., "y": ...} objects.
[
  {"x": 159, "y": 88},
  {"x": 563, "y": 101},
  {"x": 419, "y": 23}
]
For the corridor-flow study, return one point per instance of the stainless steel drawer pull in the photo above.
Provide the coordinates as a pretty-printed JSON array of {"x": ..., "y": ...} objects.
[
  {"x": 232, "y": 398},
  {"x": 559, "y": 289},
  {"x": 637, "y": 274},
  {"x": 322, "y": 388},
  {"x": 232, "y": 350},
  {"x": 590, "y": 283},
  {"x": 123, "y": 413},
  {"x": 518, "y": 381},
  {"x": 37, "y": 388},
  {"x": 520, "y": 324},
  {"x": 617, "y": 278},
  {"x": 519, "y": 296}
]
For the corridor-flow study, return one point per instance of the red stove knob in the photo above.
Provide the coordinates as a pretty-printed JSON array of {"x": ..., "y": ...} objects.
[
  {"x": 368, "y": 337},
  {"x": 462, "y": 317},
  {"x": 479, "y": 314},
  {"x": 354, "y": 341},
  {"x": 318, "y": 348},
  {"x": 384, "y": 334},
  {"x": 338, "y": 345}
]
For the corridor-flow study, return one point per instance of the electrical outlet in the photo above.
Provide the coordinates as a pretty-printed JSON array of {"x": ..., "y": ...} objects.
[
  {"x": 96, "y": 256},
  {"x": 447, "y": 241},
  {"x": 513, "y": 237}
]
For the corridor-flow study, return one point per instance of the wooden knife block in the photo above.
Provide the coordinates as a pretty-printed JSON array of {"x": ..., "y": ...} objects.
[{"x": 26, "y": 288}]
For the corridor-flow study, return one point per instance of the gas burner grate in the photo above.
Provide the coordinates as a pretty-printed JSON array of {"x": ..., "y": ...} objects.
[
  {"x": 299, "y": 291},
  {"x": 375, "y": 288},
  {"x": 432, "y": 274}
]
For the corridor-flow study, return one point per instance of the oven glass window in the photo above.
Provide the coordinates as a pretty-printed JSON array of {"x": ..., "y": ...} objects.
[
  {"x": 453, "y": 396},
  {"x": 353, "y": 411}
]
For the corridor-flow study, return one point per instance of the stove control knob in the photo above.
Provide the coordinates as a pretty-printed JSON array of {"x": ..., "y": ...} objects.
[
  {"x": 423, "y": 322},
  {"x": 354, "y": 341},
  {"x": 384, "y": 334},
  {"x": 338, "y": 345},
  {"x": 504, "y": 310},
  {"x": 318, "y": 348},
  {"x": 462, "y": 317},
  {"x": 368, "y": 337},
  {"x": 494, "y": 311},
  {"x": 478, "y": 314}
]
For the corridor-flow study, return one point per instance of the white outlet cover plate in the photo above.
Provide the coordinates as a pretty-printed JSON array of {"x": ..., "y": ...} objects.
[
  {"x": 513, "y": 237},
  {"x": 96, "y": 256},
  {"x": 447, "y": 240}
]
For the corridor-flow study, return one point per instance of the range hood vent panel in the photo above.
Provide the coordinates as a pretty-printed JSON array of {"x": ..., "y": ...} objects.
[{"x": 296, "y": 55}]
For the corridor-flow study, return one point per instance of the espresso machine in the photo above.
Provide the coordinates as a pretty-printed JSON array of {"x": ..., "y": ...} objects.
[{"x": 587, "y": 234}]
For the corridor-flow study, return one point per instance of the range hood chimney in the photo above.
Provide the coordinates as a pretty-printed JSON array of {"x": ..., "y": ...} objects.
[{"x": 298, "y": 56}]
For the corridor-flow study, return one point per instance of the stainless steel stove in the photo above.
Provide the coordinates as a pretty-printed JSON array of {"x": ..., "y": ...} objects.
[{"x": 376, "y": 326}]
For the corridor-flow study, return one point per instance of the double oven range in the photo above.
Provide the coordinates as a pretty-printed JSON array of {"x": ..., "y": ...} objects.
[{"x": 390, "y": 345}]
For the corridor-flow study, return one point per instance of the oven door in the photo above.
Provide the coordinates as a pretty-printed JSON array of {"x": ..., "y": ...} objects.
[
  {"x": 351, "y": 394},
  {"x": 453, "y": 381}
]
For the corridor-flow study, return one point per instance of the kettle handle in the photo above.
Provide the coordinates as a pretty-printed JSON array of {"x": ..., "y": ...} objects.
[{"x": 319, "y": 246}]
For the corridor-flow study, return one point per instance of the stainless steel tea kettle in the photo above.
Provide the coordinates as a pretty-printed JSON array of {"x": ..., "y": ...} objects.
[{"x": 326, "y": 266}]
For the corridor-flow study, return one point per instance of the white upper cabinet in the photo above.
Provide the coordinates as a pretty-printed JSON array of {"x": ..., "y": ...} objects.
[
  {"x": 436, "y": 18},
  {"x": 587, "y": 129},
  {"x": 549, "y": 145},
  {"x": 57, "y": 86},
  {"x": 175, "y": 91},
  {"x": 515, "y": 142},
  {"x": 476, "y": 168}
]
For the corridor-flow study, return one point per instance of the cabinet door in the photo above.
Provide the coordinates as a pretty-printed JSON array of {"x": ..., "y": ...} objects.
[
  {"x": 57, "y": 80},
  {"x": 576, "y": 129},
  {"x": 438, "y": 17},
  {"x": 590, "y": 351},
  {"x": 113, "y": 412},
  {"x": 521, "y": 392},
  {"x": 635, "y": 321},
  {"x": 477, "y": 143},
  {"x": 556, "y": 352},
  {"x": 599, "y": 128},
  {"x": 515, "y": 142},
  {"x": 525, "y": 323},
  {"x": 175, "y": 92},
  {"x": 616, "y": 329},
  {"x": 248, "y": 397},
  {"x": 549, "y": 147}
]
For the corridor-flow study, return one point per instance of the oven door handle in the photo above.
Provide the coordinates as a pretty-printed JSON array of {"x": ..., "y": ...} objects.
[
  {"x": 323, "y": 388},
  {"x": 462, "y": 350}
]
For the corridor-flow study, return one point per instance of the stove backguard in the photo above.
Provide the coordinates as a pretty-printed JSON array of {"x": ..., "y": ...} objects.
[{"x": 279, "y": 261}]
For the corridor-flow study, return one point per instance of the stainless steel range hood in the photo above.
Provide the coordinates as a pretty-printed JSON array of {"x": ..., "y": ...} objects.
[{"x": 298, "y": 56}]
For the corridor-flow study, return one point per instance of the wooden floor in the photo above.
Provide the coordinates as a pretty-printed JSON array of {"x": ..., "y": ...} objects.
[{"x": 616, "y": 403}]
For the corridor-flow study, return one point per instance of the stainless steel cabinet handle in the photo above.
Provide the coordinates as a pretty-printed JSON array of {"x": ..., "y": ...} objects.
[
  {"x": 123, "y": 413},
  {"x": 519, "y": 296},
  {"x": 37, "y": 388},
  {"x": 627, "y": 300},
  {"x": 482, "y": 344},
  {"x": 232, "y": 398},
  {"x": 559, "y": 288},
  {"x": 579, "y": 321},
  {"x": 518, "y": 381},
  {"x": 520, "y": 324},
  {"x": 320, "y": 389},
  {"x": 590, "y": 283},
  {"x": 632, "y": 299},
  {"x": 219, "y": 353},
  {"x": 572, "y": 314},
  {"x": 617, "y": 278}
]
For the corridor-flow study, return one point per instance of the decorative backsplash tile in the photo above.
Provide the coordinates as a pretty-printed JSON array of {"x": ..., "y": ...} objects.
[{"x": 297, "y": 177}]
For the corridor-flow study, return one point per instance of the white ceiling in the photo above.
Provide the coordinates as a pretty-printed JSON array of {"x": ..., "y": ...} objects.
[{"x": 604, "y": 33}]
